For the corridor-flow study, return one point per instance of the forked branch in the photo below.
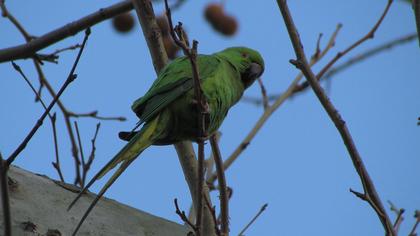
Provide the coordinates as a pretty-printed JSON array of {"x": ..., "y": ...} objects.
[{"x": 370, "y": 195}]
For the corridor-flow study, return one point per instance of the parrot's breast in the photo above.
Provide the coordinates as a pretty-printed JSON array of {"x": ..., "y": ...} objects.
[{"x": 221, "y": 93}]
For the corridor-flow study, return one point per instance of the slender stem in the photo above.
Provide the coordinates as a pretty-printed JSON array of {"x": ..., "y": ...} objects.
[
  {"x": 152, "y": 33},
  {"x": 184, "y": 150},
  {"x": 301, "y": 63},
  {"x": 361, "y": 57},
  {"x": 253, "y": 219},
  {"x": 56, "y": 164},
  {"x": 82, "y": 157},
  {"x": 369, "y": 53},
  {"x": 271, "y": 109},
  {"x": 38, "y": 124},
  {"x": 368, "y": 36},
  {"x": 30, "y": 48},
  {"x": 413, "y": 230},
  {"x": 5, "y": 197},
  {"x": 224, "y": 201},
  {"x": 52, "y": 119},
  {"x": 178, "y": 36}
]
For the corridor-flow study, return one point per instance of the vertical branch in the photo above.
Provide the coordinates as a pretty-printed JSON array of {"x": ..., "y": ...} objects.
[
  {"x": 224, "y": 201},
  {"x": 370, "y": 195},
  {"x": 87, "y": 165},
  {"x": 152, "y": 33},
  {"x": 178, "y": 36},
  {"x": 272, "y": 108},
  {"x": 5, "y": 198},
  {"x": 82, "y": 157},
  {"x": 56, "y": 164},
  {"x": 413, "y": 230},
  {"x": 186, "y": 155}
]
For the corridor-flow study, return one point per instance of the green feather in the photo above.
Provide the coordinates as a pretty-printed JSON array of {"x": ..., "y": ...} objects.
[{"x": 169, "y": 109}]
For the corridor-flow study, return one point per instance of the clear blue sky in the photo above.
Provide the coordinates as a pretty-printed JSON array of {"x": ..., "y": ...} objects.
[{"x": 297, "y": 163}]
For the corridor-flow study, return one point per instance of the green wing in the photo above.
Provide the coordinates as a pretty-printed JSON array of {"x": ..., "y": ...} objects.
[{"x": 174, "y": 81}]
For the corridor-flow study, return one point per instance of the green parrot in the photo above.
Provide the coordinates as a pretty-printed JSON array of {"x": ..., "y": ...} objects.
[{"x": 169, "y": 110}]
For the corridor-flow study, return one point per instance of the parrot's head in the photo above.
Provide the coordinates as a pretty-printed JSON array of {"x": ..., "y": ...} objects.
[{"x": 248, "y": 62}]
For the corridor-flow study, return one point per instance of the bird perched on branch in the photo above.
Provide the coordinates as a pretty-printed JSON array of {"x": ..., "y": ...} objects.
[{"x": 169, "y": 110}]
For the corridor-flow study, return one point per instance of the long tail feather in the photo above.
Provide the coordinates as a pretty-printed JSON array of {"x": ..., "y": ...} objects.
[
  {"x": 96, "y": 177},
  {"x": 108, "y": 184},
  {"x": 127, "y": 155}
]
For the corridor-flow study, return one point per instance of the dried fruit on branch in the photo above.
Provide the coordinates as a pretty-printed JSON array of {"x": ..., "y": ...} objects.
[
  {"x": 219, "y": 20},
  {"x": 123, "y": 23}
]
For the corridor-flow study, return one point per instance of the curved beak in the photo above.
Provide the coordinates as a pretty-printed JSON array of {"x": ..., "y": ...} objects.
[{"x": 255, "y": 70}]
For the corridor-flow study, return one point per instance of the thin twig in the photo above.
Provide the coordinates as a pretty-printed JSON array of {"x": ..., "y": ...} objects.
[
  {"x": 38, "y": 124},
  {"x": 152, "y": 33},
  {"x": 399, "y": 212},
  {"x": 82, "y": 155},
  {"x": 271, "y": 109},
  {"x": 369, "y": 35},
  {"x": 253, "y": 219},
  {"x": 263, "y": 94},
  {"x": 86, "y": 167},
  {"x": 413, "y": 230},
  {"x": 30, "y": 48},
  {"x": 7, "y": 221},
  {"x": 44, "y": 82},
  {"x": 369, "y": 53},
  {"x": 38, "y": 97},
  {"x": 52, "y": 119},
  {"x": 224, "y": 201},
  {"x": 213, "y": 214},
  {"x": 15, "y": 22},
  {"x": 53, "y": 57},
  {"x": 179, "y": 37},
  {"x": 56, "y": 164},
  {"x": 94, "y": 114},
  {"x": 345, "y": 65},
  {"x": 339, "y": 55},
  {"x": 182, "y": 215},
  {"x": 185, "y": 151},
  {"x": 370, "y": 195}
]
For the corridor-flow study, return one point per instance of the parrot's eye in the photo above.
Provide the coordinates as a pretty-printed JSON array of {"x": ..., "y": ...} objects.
[{"x": 244, "y": 55}]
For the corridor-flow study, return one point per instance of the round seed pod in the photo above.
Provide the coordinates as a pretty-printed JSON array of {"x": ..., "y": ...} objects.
[
  {"x": 219, "y": 20},
  {"x": 123, "y": 23},
  {"x": 227, "y": 25},
  {"x": 213, "y": 11}
]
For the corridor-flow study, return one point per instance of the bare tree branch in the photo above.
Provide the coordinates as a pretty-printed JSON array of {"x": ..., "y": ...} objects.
[
  {"x": 361, "y": 57},
  {"x": 38, "y": 124},
  {"x": 370, "y": 195},
  {"x": 30, "y": 48},
  {"x": 271, "y": 109},
  {"x": 52, "y": 119},
  {"x": 253, "y": 219},
  {"x": 179, "y": 37},
  {"x": 224, "y": 201},
  {"x": 413, "y": 230},
  {"x": 5, "y": 197},
  {"x": 184, "y": 150}
]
